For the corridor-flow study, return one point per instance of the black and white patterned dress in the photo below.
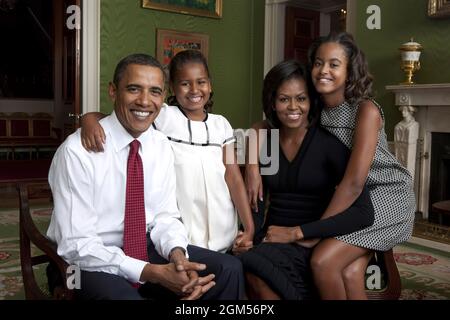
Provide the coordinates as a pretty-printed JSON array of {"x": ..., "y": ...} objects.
[{"x": 390, "y": 185}]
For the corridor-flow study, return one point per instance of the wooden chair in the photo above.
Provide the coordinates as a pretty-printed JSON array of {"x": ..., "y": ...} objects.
[
  {"x": 29, "y": 234},
  {"x": 392, "y": 289}
]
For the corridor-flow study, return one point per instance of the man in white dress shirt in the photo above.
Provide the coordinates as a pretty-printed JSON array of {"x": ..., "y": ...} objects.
[{"x": 89, "y": 191}]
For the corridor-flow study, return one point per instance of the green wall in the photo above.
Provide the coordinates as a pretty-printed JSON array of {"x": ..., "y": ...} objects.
[
  {"x": 401, "y": 20},
  {"x": 236, "y": 49}
]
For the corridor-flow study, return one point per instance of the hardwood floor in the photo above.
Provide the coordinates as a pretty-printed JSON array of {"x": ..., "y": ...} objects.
[{"x": 8, "y": 196}]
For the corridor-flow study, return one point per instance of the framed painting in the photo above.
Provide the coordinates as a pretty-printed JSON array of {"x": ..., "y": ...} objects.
[
  {"x": 439, "y": 8},
  {"x": 170, "y": 42},
  {"x": 204, "y": 8}
]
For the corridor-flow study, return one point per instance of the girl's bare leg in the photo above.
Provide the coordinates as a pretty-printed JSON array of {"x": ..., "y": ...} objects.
[
  {"x": 328, "y": 262},
  {"x": 354, "y": 277},
  {"x": 257, "y": 289}
]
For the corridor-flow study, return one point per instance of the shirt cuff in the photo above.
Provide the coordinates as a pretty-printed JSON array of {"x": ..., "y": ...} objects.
[
  {"x": 132, "y": 268},
  {"x": 229, "y": 141},
  {"x": 173, "y": 244}
]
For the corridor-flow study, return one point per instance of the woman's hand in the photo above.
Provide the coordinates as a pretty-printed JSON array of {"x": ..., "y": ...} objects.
[
  {"x": 243, "y": 242},
  {"x": 283, "y": 234},
  {"x": 92, "y": 134},
  {"x": 253, "y": 183}
]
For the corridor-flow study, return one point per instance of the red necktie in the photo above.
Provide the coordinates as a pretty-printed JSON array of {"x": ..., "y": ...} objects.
[{"x": 134, "y": 233}]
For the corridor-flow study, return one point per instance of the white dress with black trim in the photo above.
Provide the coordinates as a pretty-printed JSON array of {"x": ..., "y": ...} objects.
[{"x": 202, "y": 193}]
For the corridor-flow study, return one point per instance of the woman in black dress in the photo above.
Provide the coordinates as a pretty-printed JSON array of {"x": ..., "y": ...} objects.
[{"x": 311, "y": 164}]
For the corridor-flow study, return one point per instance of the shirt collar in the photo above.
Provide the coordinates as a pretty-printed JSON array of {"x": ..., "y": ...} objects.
[{"x": 120, "y": 136}]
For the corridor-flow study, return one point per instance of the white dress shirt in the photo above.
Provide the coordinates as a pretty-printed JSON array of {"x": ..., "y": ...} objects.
[{"x": 89, "y": 200}]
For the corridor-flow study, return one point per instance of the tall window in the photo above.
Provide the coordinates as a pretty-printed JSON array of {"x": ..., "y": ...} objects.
[{"x": 26, "y": 55}]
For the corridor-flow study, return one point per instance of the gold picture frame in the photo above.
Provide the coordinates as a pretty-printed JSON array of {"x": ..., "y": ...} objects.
[
  {"x": 170, "y": 42},
  {"x": 439, "y": 8},
  {"x": 204, "y": 8}
]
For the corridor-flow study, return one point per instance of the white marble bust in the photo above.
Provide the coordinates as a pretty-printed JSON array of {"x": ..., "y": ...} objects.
[
  {"x": 406, "y": 133},
  {"x": 407, "y": 130}
]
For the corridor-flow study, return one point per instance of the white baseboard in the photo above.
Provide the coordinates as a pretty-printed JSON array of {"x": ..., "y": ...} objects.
[{"x": 430, "y": 244}]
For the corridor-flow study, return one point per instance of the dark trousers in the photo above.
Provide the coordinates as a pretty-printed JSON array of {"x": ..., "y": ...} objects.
[{"x": 227, "y": 269}]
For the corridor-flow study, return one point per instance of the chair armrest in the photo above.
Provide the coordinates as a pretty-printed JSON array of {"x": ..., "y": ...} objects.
[
  {"x": 44, "y": 244},
  {"x": 35, "y": 236}
]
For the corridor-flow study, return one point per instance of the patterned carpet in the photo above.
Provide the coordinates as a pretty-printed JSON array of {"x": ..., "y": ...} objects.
[
  {"x": 425, "y": 272},
  {"x": 10, "y": 274}
]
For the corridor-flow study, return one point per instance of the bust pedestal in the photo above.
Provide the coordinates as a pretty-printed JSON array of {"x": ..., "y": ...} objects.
[{"x": 406, "y": 133}]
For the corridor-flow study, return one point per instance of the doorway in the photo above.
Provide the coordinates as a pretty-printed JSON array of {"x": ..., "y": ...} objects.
[
  {"x": 302, "y": 27},
  {"x": 39, "y": 84},
  {"x": 306, "y": 22},
  {"x": 290, "y": 26}
]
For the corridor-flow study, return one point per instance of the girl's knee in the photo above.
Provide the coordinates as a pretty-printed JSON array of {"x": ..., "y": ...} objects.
[
  {"x": 352, "y": 274},
  {"x": 319, "y": 262}
]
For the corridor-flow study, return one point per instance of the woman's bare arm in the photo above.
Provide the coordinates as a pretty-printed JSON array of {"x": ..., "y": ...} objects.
[
  {"x": 253, "y": 180},
  {"x": 236, "y": 186},
  {"x": 365, "y": 142}
]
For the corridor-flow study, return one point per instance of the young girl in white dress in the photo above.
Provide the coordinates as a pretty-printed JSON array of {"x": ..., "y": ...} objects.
[{"x": 210, "y": 188}]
